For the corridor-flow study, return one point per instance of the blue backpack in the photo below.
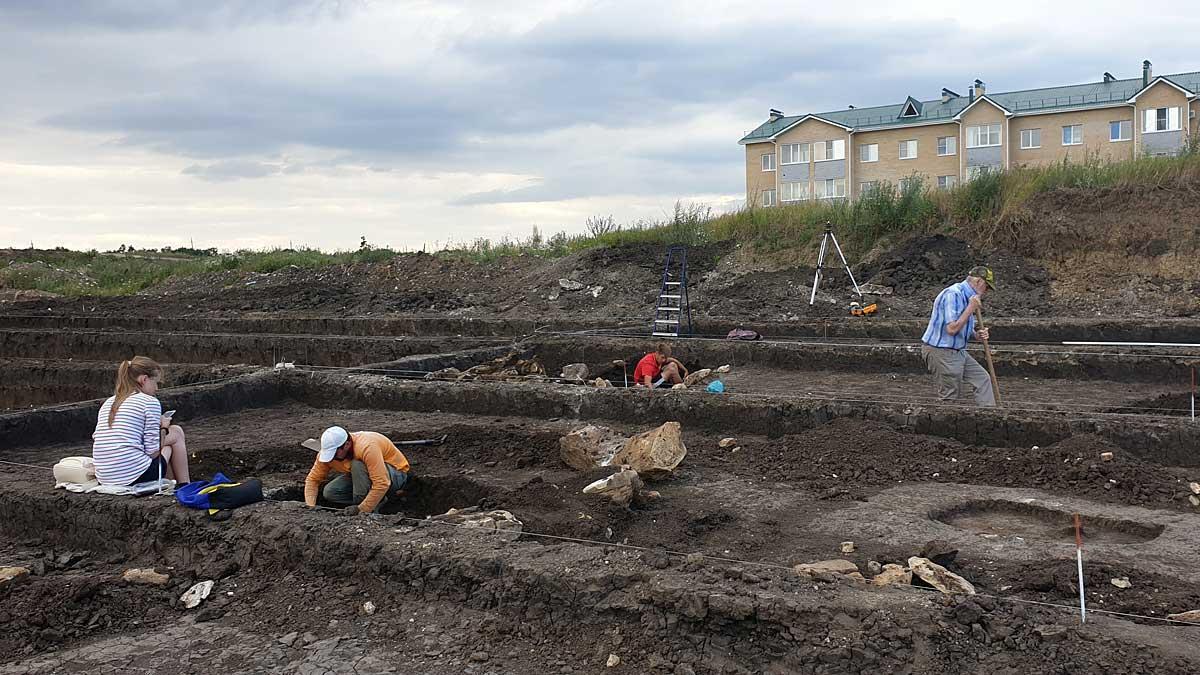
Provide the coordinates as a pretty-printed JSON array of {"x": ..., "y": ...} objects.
[{"x": 219, "y": 493}]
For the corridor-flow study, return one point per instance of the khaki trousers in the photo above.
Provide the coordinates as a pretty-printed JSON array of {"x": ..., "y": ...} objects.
[{"x": 951, "y": 367}]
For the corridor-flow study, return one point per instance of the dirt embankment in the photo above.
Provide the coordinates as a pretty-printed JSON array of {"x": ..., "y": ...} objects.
[{"x": 1120, "y": 252}]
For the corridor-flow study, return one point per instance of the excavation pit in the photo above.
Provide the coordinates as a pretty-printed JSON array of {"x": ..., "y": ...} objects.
[{"x": 1000, "y": 518}]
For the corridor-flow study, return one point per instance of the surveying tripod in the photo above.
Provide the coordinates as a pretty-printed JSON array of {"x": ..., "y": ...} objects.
[{"x": 825, "y": 239}]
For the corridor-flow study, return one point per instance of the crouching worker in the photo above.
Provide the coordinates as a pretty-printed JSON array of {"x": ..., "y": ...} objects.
[
  {"x": 369, "y": 469},
  {"x": 133, "y": 441},
  {"x": 659, "y": 368}
]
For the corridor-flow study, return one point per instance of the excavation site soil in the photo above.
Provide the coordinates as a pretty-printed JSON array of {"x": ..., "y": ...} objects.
[{"x": 822, "y": 511}]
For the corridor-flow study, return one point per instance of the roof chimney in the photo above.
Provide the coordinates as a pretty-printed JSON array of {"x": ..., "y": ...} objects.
[
  {"x": 980, "y": 88},
  {"x": 774, "y": 115},
  {"x": 851, "y": 107},
  {"x": 1147, "y": 72},
  {"x": 1108, "y": 77},
  {"x": 970, "y": 94},
  {"x": 947, "y": 95}
]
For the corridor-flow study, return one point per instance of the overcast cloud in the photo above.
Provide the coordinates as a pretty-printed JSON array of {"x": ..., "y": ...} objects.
[{"x": 251, "y": 123}]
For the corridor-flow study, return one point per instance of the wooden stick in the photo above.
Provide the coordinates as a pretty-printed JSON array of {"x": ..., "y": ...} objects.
[{"x": 987, "y": 350}]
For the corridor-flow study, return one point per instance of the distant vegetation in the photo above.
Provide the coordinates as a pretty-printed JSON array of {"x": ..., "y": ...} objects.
[{"x": 988, "y": 201}]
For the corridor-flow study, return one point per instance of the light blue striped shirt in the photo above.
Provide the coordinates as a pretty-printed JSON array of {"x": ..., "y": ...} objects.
[
  {"x": 948, "y": 306},
  {"x": 124, "y": 451}
]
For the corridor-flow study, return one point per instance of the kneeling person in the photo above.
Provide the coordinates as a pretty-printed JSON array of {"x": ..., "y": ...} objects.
[
  {"x": 659, "y": 368},
  {"x": 370, "y": 469}
]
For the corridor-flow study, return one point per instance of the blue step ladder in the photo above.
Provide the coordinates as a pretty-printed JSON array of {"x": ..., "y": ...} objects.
[{"x": 672, "y": 312}]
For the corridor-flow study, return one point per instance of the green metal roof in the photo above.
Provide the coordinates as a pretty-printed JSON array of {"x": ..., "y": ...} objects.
[{"x": 1074, "y": 96}]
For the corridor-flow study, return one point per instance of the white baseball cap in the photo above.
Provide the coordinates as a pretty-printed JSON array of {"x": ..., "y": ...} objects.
[{"x": 332, "y": 439}]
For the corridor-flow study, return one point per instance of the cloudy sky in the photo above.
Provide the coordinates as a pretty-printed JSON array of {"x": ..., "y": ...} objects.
[{"x": 257, "y": 123}]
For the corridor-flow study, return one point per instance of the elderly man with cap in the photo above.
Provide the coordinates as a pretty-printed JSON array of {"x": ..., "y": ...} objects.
[
  {"x": 369, "y": 468},
  {"x": 951, "y": 326}
]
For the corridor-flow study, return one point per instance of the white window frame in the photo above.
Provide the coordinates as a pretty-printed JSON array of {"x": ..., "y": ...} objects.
[
  {"x": 1031, "y": 133},
  {"x": 801, "y": 189},
  {"x": 822, "y": 187},
  {"x": 768, "y": 197},
  {"x": 866, "y": 186},
  {"x": 1072, "y": 127},
  {"x": 1121, "y": 125},
  {"x": 828, "y": 151},
  {"x": 944, "y": 184},
  {"x": 871, "y": 151},
  {"x": 765, "y": 157},
  {"x": 950, "y": 143},
  {"x": 984, "y": 135},
  {"x": 1150, "y": 120},
  {"x": 904, "y": 145},
  {"x": 974, "y": 171}
]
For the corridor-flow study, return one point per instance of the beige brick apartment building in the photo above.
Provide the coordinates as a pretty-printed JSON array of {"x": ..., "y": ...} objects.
[{"x": 841, "y": 154}]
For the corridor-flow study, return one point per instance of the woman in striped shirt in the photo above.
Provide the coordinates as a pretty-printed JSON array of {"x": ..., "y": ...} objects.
[{"x": 133, "y": 441}]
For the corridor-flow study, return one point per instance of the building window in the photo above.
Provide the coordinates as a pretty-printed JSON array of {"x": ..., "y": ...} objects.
[
  {"x": 768, "y": 162},
  {"x": 794, "y": 192},
  {"x": 1073, "y": 135},
  {"x": 908, "y": 149},
  {"x": 831, "y": 188},
  {"x": 947, "y": 145},
  {"x": 768, "y": 198},
  {"x": 974, "y": 172},
  {"x": 1160, "y": 119},
  {"x": 1120, "y": 131},
  {"x": 827, "y": 150},
  {"x": 909, "y": 183},
  {"x": 947, "y": 182},
  {"x": 1031, "y": 138},
  {"x": 867, "y": 187},
  {"x": 793, "y": 153},
  {"x": 868, "y": 153},
  {"x": 983, "y": 136}
]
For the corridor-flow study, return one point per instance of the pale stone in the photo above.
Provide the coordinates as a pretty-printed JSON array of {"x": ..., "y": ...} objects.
[
  {"x": 196, "y": 594},
  {"x": 1194, "y": 500},
  {"x": 724, "y": 369},
  {"x": 655, "y": 453},
  {"x": 848, "y": 547},
  {"x": 1121, "y": 582},
  {"x": 892, "y": 574},
  {"x": 619, "y": 487},
  {"x": 1191, "y": 617},
  {"x": 874, "y": 568},
  {"x": 1195, "y": 488},
  {"x": 826, "y": 567},
  {"x": 145, "y": 576},
  {"x": 444, "y": 374},
  {"x": 570, "y": 285},
  {"x": 727, "y": 442},
  {"x": 502, "y": 523},
  {"x": 575, "y": 372},
  {"x": 613, "y": 661},
  {"x": 939, "y": 577},
  {"x": 679, "y": 386},
  {"x": 589, "y": 447},
  {"x": 1106, "y": 456},
  {"x": 368, "y": 608},
  {"x": 700, "y": 376},
  {"x": 601, "y": 383},
  {"x": 11, "y": 575}
]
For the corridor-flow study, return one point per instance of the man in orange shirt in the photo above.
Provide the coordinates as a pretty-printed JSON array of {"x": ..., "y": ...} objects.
[
  {"x": 658, "y": 368},
  {"x": 369, "y": 468}
]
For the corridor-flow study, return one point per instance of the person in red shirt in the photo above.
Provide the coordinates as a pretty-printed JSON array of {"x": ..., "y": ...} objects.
[{"x": 658, "y": 368}]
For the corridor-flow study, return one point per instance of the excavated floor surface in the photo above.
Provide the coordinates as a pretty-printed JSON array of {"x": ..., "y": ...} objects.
[{"x": 291, "y": 584}]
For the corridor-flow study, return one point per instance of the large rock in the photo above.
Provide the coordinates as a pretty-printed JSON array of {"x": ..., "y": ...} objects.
[
  {"x": 843, "y": 567},
  {"x": 589, "y": 447},
  {"x": 621, "y": 487},
  {"x": 1192, "y": 616},
  {"x": 701, "y": 376},
  {"x": 654, "y": 454},
  {"x": 499, "y": 522},
  {"x": 939, "y": 577},
  {"x": 575, "y": 372},
  {"x": 892, "y": 574}
]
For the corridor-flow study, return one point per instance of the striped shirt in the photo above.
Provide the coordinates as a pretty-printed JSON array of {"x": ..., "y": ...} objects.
[
  {"x": 125, "y": 450},
  {"x": 948, "y": 306}
]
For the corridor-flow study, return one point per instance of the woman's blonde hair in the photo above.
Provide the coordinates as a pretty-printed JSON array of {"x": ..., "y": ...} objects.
[{"x": 127, "y": 381}]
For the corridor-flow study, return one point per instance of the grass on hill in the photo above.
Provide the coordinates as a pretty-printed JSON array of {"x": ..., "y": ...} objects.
[{"x": 991, "y": 198}]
